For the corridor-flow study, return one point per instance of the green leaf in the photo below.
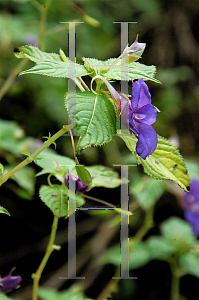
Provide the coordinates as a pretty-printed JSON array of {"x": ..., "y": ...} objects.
[
  {"x": 130, "y": 71},
  {"x": 164, "y": 163},
  {"x": 138, "y": 256},
  {"x": 178, "y": 233},
  {"x": 52, "y": 294},
  {"x": 54, "y": 163},
  {"x": 56, "y": 198},
  {"x": 103, "y": 176},
  {"x": 84, "y": 175},
  {"x": 159, "y": 247},
  {"x": 35, "y": 54},
  {"x": 4, "y": 211},
  {"x": 57, "y": 69},
  {"x": 4, "y": 297},
  {"x": 94, "y": 116},
  {"x": 190, "y": 263},
  {"x": 25, "y": 178},
  {"x": 93, "y": 64},
  {"x": 147, "y": 191}
]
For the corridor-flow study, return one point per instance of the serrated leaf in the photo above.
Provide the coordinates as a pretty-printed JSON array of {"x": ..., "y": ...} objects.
[
  {"x": 4, "y": 211},
  {"x": 164, "y": 163},
  {"x": 54, "y": 163},
  {"x": 35, "y": 54},
  {"x": 94, "y": 116},
  {"x": 56, "y": 198},
  {"x": 103, "y": 176},
  {"x": 57, "y": 69},
  {"x": 190, "y": 263},
  {"x": 84, "y": 175},
  {"x": 130, "y": 71},
  {"x": 178, "y": 233}
]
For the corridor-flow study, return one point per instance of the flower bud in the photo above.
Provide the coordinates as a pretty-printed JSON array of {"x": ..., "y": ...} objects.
[
  {"x": 132, "y": 53},
  {"x": 80, "y": 186}
]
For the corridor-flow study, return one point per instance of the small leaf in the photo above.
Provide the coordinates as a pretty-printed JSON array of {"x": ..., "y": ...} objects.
[
  {"x": 54, "y": 163},
  {"x": 4, "y": 211},
  {"x": 159, "y": 247},
  {"x": 52, "y": 294},
  {"x": 178, "y": 233},
  {"x": 83, "y": 175},
  {"x": 129, "y": 72},
  {"x": 57, "y": 69},
  {"x": 56, "y": 198},
  {"x": 147, "y": 191},
  {"x": 35, "y": 54},
  {"x": 103, "y": 176},
  {"x": 25, "y": 178},
  {"x": 164, "y": 163},
  {"x": 94, "y": 116},
  {"x": 190, "y": 263}
]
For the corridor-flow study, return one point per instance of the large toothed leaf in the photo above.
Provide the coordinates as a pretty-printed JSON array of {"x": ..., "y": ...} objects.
[
  {"x": 164, "y": 163},
  {"x": 35, "y": 54},
  {"x": 56, "y": 198},
  {"x": 57, "y": 69},
  {"x": 94, "y": 116},
  {"x": 130, "y": 71}
]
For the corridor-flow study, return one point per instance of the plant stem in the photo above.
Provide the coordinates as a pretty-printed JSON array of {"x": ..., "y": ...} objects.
[
  {"x": 9, "y": 81},
  {"x": 148, "y": 223},
  {"x": 43, "y": 17},
  {"x": 50, "y": 248},
  {"x": 175, "y": 285},
  {"x": 32, "y": 156}
]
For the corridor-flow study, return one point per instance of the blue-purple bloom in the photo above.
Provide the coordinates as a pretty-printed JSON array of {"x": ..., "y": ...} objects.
[
  {"x": 142, "y": 114},
  {"x": 191, "y": 206},
  {"x": 9, "y": 282},
  {"x": 80, "y": 186},
  {"x": 137, "y": 115}
]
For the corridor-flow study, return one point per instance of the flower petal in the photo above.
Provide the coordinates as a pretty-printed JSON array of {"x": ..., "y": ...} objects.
[
  {"x": 147, "y": 140},
  {"x": 9, "y": 282},
  {"x": 147, "y": 114},
  {"x": 140, "y": 94}
]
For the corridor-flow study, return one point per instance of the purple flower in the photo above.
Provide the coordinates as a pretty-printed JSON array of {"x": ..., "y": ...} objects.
[
  {"x": 137, "y": 115},
  {"x": 191, "y": 206},
  {"x": 80, "y": 186},
  {"x": 142, "y": 114},
  {"x": 9, "y": 282}
]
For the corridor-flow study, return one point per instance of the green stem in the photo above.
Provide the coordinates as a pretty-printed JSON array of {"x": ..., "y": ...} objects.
[
  {"x": 43, "y": 17},
  {"x": 32, "y": 156},
  {"x": 9, "y": 81},
  {"x": 175, "y": 285},
  {"x": 148, "y": 223},
  {"x": 50, "y": 248}
]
